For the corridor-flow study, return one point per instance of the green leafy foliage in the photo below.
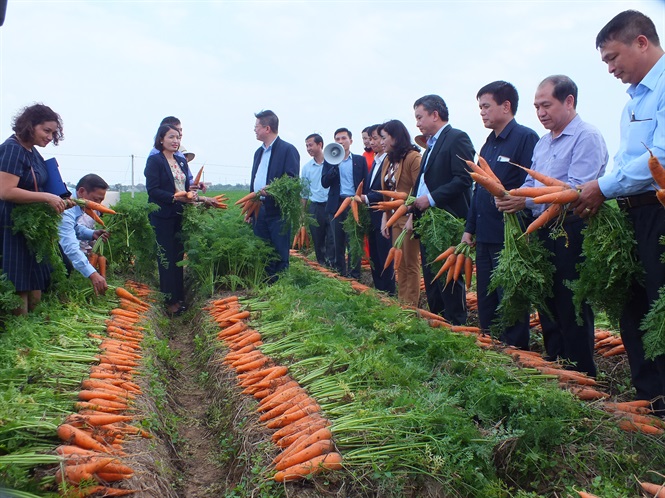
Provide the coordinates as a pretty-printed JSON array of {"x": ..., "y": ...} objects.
[
  {"x": 610, "y": 263},
  {"x": 287, "y": 192},
  {"x": 222, "y": 249},
  {"x": 524, "y": 273},
  {"x": 356, "y": 232},
  {"x": 132, "y": 248},
  {"x": 438, "y": 230},
  {"x": 38, "y": 223},
  {"x": 9, "y": 300},
  {"x": 653, "y": 323}
]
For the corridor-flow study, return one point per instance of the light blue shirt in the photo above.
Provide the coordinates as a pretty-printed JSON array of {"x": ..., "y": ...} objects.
[
  {"x": 311, "y": 176},
  {"x": 422, "y": 186},
  {"x": 261, "y": 178},
  {"x": 346, "y": 187},
  {"x": 69, "y": 233},
  {"x": 576, "y": 156},
  {"x": 642, "y": 123}
]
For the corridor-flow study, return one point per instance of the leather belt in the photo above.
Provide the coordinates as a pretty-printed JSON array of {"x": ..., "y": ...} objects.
[{"x": 633, "y": 201}]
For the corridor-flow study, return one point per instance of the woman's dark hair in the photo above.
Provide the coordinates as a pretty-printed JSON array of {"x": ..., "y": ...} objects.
[
  {"x": 25, "y": 121},
  {"x": 402, "y": 139},
  {"x": 161, "y": 133}
]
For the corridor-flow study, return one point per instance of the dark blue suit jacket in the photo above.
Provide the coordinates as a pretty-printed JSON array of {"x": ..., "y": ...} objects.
[
  {"x": 330, "y": 180},
  {"x": 160, "y": 184},
  {"x": 369, "y": 189},
  {"x": 446, "y": 177},
  {"x": 284, "y": 160}
]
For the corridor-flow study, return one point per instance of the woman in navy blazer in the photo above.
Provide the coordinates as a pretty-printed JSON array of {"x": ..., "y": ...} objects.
[{"x": 165, "y": 175}]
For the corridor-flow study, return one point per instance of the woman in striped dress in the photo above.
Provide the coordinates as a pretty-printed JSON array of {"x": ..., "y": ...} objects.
[{"x": 23, "y": 175}]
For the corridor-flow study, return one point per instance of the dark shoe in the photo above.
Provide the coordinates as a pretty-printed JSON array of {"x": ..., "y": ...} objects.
[{"x": 171, "y": 314}]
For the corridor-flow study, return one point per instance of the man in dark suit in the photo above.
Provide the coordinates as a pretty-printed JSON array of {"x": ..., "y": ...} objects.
[
  {"x": 379, "y": 246},
  {"x": 342, "y": 180},
  {"x": 274, "y": 159},
  {"x": 444, "y": 183}
]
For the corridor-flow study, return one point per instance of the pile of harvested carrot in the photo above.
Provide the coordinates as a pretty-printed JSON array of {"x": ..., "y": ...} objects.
[
  {"x": 93, "y": 438},
  {"x": 301, "y": 430},
  {"x": 632, "y": 416}
]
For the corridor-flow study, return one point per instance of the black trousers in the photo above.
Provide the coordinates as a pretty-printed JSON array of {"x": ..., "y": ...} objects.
[
  {"x": 171, "y": 252},
  {"x": 449, "y": 301},
  {"x": 486, "y": 260},
  {"x": 648, "y": 376},
  {"x": 271, "y": 228},
  {"x": 563, "y": 337},
  {"x": 342, "y": 263},
  {"x": 322, "y": 235},
  {"x": 379, "y": 247}
]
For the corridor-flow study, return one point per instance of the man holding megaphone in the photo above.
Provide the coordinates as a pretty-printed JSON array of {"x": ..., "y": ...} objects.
[{"x": 342, "y": 173}]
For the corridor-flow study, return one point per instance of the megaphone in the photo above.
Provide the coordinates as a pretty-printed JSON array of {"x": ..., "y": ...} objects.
[{"x": 333, "y": 153}]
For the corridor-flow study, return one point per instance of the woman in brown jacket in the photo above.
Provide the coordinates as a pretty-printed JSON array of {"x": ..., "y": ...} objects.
[{"x": 399, "y": 173}]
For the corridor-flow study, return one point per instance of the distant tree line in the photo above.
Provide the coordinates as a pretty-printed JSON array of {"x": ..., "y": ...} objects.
[{"x": 119, "y": 187}]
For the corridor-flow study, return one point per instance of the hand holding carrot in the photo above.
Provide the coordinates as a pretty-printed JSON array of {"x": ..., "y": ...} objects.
[
  {"x": 510, "y": 204},
  {"x": 590, "y": 199}
]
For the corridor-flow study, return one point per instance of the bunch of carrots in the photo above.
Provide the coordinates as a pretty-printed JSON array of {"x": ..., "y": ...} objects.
[
  {"x": 219, "y": 201},
  {"x": 301, "y": 431},
  {"x": 98, "y": 262},
  {"x": 93, "y": 438},
  {"x": 301, "y": 238},
  {"x": 456, "y": 259},
  {"x": 352, "y": 201},
  {"x": 399, "y": 205},
  {"x": 250, "y": 204},
  {"x": 554, "y": 192},
  {"x": 90, "y": 208}
]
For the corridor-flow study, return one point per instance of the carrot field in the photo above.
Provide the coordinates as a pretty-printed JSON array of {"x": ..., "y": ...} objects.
[{"x": 313, "y": 386}]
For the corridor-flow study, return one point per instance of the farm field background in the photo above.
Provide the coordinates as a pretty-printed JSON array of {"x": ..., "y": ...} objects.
[{"x": 414, "y": 410}]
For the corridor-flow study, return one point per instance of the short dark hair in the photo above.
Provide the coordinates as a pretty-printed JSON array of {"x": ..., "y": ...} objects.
[
  {"x": 402, "y": 140},
  {"x": 161, "y": 133},
  {"x": 268, "y": 118},
  {"x": 318, "y": 139},
  {"x": 563, "y": 86},
  {"x": 92, "y": 182},
  {"x": 433, "y": 103},
  {"x": 500, "y": 92},
  {"x": 343, "y": 130},
  {"x": 371, "y": 129},
  {"x": 627, "y": 26},
  {"x": 27, "y": 118},
  {"x": 172, "y": 120}
]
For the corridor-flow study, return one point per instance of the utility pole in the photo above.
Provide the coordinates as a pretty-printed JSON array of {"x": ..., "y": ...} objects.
[{"x": 132, "y": 176}]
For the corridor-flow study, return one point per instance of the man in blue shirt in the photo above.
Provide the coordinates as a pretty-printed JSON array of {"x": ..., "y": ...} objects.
[
  {"x": 573, "y": 151},
  {"x": 342, "y": 180},
  {"x": 630, "y": 47},
  {"x": 73, "y": 229},
  {"x": 315, "y": 198},
  {"x": 508, "y": 142}
]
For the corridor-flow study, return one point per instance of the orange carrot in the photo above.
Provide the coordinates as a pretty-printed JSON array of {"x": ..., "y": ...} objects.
[
  {"x": 197, "y": 178},
  {"x": 399, "y": 212},
  {"x": 305, "y": 429},
  {"x": 330, "y": 461},
  {"x": 444, "y": 254},
  {"x": 398, "y": 258},
  {"x": 657, "y": 490},
  {"x": 387, "y": 205},
  {"x": 452, "y": 258},
  {"x": 68, "y": 433},
  {"x": 584, "y": 494},
  {"x": 566, "y": 196},
  {"x": 306, "y": 453},
  {"x": 492, "y": 186},
  {"x": 282, "y": 407},
  {"x": 345, "y": 203},
  {"x": 319, "y": 435},
  {"x": 488, "y": 171},
  {"x": 389, "y": 259},
  {"x": 96, "y": 206},
  {"x": 98, "y": 419},
  {"x": 657, "y": 170},
  {"x": 393, "y": 195},
  {"x": 543, "y": 178},
  {"x": 459, "y": 264},
  {"x": 549, "y": 214},
  {"x": 632, "y": 426},
  {"x": 93, "y": 215},
  {"x": 122, "y": 293},
  {"x": 468, "y": 272},
  {"x": 535, "y": 191},
  {"x": 660, "y": 195},
  {"x": 354, "y": 211},
  {"x": 248, "y": 197},
  {"x": 288, "y": 430},
  {"x": 74, "y": 474}
]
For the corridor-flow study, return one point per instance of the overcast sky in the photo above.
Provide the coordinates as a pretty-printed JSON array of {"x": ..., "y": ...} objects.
[{"x": 113, "y": 69}]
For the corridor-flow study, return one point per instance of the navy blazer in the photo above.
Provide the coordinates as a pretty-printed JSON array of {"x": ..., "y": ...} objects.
[
  {"x": 446, "y": 177},
  {"x": 369, "y": 189},
  {"x": 160, "y": 184},
  {"x": 330, "y": 180},
  {"x": 284, "y": 160}
]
